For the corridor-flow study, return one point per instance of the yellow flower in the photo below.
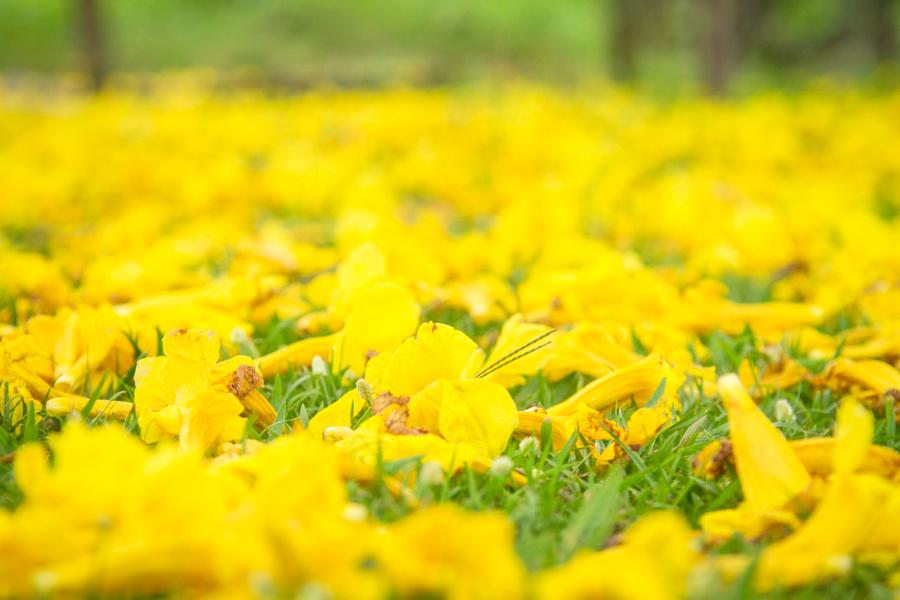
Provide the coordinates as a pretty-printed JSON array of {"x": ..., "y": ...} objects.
[
  {"x": 425, "y": 401},
  {"x": 134, "y": 519},
  {"x": 447, "y": 552},
  {"x": 64, "y": 405},
  {"x": 653, "y": 563},
  {"x": 381, "y": 314},
  {"x": 857, "y": 513},
  {"x": 470, "y": 411},
  {"x": 187, "y": 394}
]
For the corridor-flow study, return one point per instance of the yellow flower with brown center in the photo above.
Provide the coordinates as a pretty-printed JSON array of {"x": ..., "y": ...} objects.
[
  {"x": 189, "y": 394},
  {"x": 428, "y": 389}
]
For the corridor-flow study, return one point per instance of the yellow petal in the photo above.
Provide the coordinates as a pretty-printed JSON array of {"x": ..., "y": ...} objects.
[
  {"x": 364, "y": 265},
  {"x": 425, "y": 408},
  {"x": 853, "y": 434},
  {"x": 190, "y": 356},
  {"x": 375, "y": 369},
  {"x": 532, "y": 423},
  {"x": 638, "y": 381},
  {"x": 436, "y": 352},
  {"x": 198, "y": 346},
  {"x": 31, "y": 468},
  {"x": 817, "y": 455},
  {"x": 256, "y": 404},
  {"x": 589, "y": 349},
  {"x": 823, "y": 545},
  {"x": 514, "y": 334},
  {"x": 212, "y": 418},
  {"x": 477, "y": 412},
  {"x": 872, "y": 374},
  {"x": 771, "y": 474},
  {"x": 644, "y": 423},
  {"x": 381, "y": 316},
  {"x": 337, "y": 414},
  {"x": 63, "y": 405}
]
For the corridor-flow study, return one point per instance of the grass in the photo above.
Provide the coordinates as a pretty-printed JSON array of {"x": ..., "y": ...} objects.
[{"x": 566, "y": 505}]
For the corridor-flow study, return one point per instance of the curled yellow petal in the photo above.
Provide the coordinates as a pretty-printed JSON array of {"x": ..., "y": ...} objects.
[
  {"x": 64, "y": 405},
  {"x": 638, "y": 380},
  {"x": 296, "y": 355},
  {"x": 817, "y": 455},
  {"x": 875, "y": 375},
  {"x": 531, "y": 422}
]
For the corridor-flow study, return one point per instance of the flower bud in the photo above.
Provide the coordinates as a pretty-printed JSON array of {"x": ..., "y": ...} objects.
[
  {"x": 365, "y": 391},
  {"x": 431, "y": 474},
  {"x": 501, "y": 467},
  {"x": 784, "y": 412},
  {"x": 318, "y": 366}
]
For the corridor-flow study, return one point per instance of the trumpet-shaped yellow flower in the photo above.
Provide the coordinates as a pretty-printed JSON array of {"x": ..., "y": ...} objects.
[
  {"x": 187, "y": 394},
  {"x": 425, "y": 402}
]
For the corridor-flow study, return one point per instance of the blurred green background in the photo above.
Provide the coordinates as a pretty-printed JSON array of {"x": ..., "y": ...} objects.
[{"x": 668, "y": 45}]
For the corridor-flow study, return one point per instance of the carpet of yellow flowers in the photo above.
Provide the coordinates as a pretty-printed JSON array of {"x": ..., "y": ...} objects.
[{"x": 465, "y": 344}]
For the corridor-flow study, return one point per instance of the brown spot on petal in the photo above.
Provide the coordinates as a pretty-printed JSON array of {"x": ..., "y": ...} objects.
[
  {"x": 385, "y": 399},
  {"x": 244, "y": 380},
  {"x": 395, "y": 422}
]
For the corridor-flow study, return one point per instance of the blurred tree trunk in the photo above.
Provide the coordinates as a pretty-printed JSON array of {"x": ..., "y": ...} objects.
[
  {"x": 625, "y": 38},
  {"x": 90, "y": 27},
  {"x": 718, "y": 48},
  {"x": 883, "y": 32}
]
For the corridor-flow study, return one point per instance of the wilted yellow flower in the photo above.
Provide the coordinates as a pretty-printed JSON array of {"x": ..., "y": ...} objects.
[
  {"x": 187, "y": 394},
  {"x": 426, "y": 401}
]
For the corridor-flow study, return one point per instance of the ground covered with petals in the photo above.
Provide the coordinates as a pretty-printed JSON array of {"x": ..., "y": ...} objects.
[{"x": 482, "y": 343}]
